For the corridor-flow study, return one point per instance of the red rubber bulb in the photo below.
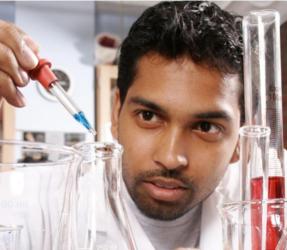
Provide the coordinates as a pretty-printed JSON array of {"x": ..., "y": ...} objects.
[{"x": 43, "y": 74}]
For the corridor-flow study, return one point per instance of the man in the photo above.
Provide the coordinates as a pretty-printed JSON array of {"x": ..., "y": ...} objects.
[{"x": 176, "y": 112}]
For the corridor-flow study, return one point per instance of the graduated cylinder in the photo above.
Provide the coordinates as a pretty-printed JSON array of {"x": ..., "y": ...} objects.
[{"x": 262, "y": 85}]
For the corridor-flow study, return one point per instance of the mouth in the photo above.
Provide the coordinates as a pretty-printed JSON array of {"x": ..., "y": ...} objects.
[{"x": 165, "y": 189}]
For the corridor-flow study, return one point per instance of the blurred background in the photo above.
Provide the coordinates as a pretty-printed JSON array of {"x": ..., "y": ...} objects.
[{"x": 81, "y": 39}]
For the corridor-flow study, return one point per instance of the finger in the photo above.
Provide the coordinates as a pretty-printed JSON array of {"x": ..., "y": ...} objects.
[
  {"x": 31, "y": 44},
  {"x": 9, "y": 91},
  {"x": 9, "y": 64},
  {"x": 13, "y": 38}
]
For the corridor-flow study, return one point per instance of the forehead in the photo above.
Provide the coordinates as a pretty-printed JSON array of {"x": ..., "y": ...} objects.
[{"x": 182, "y": 82}]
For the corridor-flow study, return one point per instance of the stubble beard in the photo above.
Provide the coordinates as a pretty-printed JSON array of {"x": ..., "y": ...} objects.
[{"x": 155, "y": 209}]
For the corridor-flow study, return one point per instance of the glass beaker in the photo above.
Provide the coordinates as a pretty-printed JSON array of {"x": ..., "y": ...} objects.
[
  {"x": 37, "y": 192},
  {"x": 239, "y": 231},
  {"x": 10, "y": 237},
  {"x": 102, "y": 219}
]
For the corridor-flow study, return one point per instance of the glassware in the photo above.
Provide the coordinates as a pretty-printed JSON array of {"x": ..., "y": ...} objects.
[
  {"x": 282, "y": 244},
  {"x": 102, "y": 219},
  {"x": 254, "y": 148},
  {"x": 37, "y": 192},
  {"x": 239, "y": 231},
  {"x": 254, "y": 181},
  {"x": 262, "y": 86},
  {"x": 10, "y": 237}
]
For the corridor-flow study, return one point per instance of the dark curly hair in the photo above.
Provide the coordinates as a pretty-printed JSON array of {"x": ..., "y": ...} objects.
[{"x": 197, "y": 29}]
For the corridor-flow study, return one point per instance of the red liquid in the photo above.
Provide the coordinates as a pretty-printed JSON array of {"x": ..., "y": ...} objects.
[{"x": 275, "y": 217}]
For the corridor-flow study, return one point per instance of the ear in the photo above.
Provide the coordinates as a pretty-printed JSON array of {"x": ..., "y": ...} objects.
[
  {"x": 235, "y": 155},
  {"x": 115, "y": 113}
]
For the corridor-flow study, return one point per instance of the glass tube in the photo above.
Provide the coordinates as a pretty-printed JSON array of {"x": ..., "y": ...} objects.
[
  {"x": 103, "y": 222},
  {"x": 254, "y": 181},
  {"x": 262, "y": 83},
  {"x": 254, "y": 144}
]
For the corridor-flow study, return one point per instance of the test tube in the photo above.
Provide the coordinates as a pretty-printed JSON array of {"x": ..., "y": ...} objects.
[
  {"x": 262, "y": 86},
  {"x": 44, "y": 75},
  {"x": 254, "y": 147}
]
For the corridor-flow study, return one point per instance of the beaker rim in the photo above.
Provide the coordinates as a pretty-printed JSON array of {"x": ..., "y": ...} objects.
[
  {"x": 267, "y": 16},
  {"x": 264, "y": 12},
  {"x": 5, "y": 228},
  {"x": 255, "y": 131},
  {"x": 100, "y": 149},
  {"x": 235, "y": 204},
  {"x": 40, "y": 146}
]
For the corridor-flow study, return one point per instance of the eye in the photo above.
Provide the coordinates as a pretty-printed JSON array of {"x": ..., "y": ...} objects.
[
  {"x": 147, "y": 119},
  {"x": 146, "y": 115},
  {"x": 208, "y": 127},
  {"x": 208, "y": 131}
]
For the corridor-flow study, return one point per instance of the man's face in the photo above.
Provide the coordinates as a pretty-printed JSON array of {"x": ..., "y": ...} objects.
[{"x": 179, "y": 129}]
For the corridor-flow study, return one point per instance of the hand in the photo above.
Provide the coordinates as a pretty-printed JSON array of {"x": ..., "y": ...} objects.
[{"x": 18, "y": 54}]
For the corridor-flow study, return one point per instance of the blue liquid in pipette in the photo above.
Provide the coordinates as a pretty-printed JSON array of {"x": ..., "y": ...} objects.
[{"x": 80, "y": 117}]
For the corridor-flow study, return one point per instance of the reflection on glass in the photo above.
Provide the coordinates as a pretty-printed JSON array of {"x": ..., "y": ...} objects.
[
  {"x": 39, "y": 195},
  {"x": 10, "y": 237},
  {"x": 239, "y": 228},
  {"x": 102, "y": 219}
]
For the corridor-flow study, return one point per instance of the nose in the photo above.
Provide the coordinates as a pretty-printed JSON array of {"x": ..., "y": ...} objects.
[{"x": 170, "y": 152}]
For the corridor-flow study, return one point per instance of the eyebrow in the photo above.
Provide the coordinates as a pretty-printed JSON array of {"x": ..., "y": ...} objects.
[
  {"x": 146, "y": 103},
  {"x": 202, "y": 115},
  {"x": 213, "y": 115}
]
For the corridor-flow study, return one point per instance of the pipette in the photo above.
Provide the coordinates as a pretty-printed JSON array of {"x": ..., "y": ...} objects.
[{"x": 45, "y": 76}]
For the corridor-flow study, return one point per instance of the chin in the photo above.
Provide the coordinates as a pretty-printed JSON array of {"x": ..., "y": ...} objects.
[{"x": 159, "y": 210}]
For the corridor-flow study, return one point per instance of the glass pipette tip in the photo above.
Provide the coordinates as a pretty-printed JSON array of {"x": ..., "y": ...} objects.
[{"x": 80, "y": 117}]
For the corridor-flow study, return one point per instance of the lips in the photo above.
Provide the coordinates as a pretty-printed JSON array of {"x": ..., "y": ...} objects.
[
  {"x": 165, "y": 189},
  {"x": 166, "y": 183}
]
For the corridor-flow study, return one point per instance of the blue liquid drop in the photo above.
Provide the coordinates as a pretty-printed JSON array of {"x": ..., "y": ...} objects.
[{"x": 80, "y": 117}]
